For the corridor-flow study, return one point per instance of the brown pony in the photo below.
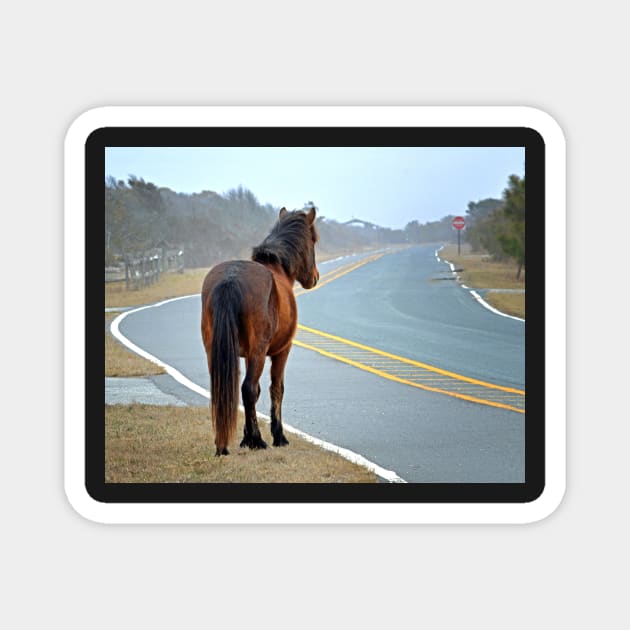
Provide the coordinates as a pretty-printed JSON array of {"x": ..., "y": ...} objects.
[{"x": 249, "y": 310}]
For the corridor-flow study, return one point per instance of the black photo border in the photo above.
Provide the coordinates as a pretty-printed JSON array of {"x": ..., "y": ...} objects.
[{"x": 364, "y": 136}]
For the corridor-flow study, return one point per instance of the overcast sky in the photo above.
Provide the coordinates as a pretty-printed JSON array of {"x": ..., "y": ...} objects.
[{"x": 388, "y": 186}]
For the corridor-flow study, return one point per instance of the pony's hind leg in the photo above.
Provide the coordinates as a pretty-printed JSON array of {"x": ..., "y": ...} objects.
[
  {"x": 276, "y": 391},
  {"x": 250, "y": 391}
]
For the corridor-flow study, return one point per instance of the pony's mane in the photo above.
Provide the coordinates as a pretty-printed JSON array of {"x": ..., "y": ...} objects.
[{"x": 287, "y": 243}]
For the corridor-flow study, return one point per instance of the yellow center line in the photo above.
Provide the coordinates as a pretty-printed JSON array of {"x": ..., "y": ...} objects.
[
  {"x": 394, "y": 357},
  {"x": 337, "y": 273},
  {"x": 392, "y": 377}
]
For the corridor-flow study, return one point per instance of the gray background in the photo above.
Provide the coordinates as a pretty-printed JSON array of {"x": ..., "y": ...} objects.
[{"x": 64, "y": 58}]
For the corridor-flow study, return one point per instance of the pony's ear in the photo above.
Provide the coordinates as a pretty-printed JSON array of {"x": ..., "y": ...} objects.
[
  {"x": 283, "y": 211},
  {"x": 310, "y": 215}
]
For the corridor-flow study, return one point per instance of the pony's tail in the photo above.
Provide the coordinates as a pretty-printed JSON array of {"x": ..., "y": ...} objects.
[{"x": 224, "y": 376}]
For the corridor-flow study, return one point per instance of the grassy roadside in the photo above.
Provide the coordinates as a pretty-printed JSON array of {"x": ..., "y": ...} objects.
[
  {"x": 154, "y": 444},
  {"x": 169, "y": 286},
  {"x": 479, "y": 272}
]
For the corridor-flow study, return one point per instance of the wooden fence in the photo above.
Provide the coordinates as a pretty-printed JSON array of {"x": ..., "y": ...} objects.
[{"x": 142, "y": 270}]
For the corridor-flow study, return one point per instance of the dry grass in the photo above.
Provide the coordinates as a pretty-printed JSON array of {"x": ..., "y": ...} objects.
[
  {"x": 170, "y": 285},
  {"x": 479, "y": 272},
  {"x": 510, "y": 303},
  {"x": 151, "y": 444},
  {"x": 122, "y": 362}
]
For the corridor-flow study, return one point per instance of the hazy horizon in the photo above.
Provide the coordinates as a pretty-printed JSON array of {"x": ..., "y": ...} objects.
[{"x": 389, "y": 186}]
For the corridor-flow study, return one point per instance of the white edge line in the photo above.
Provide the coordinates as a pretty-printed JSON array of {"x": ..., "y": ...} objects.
[
  {"x": 479, "y": 298},
  {"x": 171, "y": 371},
  {"x": 355, "y": 458},
  {"x": 491, "y": 308},
  {"x": 437, "y": 251}
]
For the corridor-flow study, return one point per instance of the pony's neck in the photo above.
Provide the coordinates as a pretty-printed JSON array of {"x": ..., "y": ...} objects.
[{"x": 281, "y": 276}]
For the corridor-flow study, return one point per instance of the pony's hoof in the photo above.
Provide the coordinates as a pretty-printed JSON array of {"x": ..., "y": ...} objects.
[
  {"x": 280, "y": 441},
  {"x": 254, "y": 443},
  {"x": 221, "y": 451}
]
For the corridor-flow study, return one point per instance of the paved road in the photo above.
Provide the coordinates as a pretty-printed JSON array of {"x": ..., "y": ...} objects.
[
  {"x": 408, "y": 304},
  {"x": 401, "y": 303}
]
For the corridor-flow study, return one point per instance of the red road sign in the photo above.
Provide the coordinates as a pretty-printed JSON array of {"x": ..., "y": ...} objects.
[{"x": 459, "y": 223}]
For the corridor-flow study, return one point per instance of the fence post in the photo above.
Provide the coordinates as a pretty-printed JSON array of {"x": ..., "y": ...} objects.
[{"x": 146, "y": 268}]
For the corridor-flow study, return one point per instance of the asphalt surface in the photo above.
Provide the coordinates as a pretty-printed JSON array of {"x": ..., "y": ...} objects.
[
  {"x": 408, "y": 304},
  {"x": 405, "y": 303}
]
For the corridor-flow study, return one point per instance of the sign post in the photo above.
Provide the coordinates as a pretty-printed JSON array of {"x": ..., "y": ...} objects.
[{"x": 459, "y": 223}]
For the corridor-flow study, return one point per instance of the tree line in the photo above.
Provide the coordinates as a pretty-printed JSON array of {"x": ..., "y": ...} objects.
[
  {"x": 210, "y": 227},
  {"x": 497, "y": 226}
]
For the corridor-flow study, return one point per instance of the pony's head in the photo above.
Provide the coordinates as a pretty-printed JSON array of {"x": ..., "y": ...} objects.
[
  {"x": 306, "y": 270},
  {"x": 291, "y": 243}
]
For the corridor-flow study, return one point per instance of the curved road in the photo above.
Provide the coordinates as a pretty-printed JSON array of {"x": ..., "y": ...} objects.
[{"x": 403, "y": 304}]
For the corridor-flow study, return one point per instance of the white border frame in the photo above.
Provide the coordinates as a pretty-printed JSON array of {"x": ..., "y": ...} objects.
[{"x": 315, "y": 513}]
